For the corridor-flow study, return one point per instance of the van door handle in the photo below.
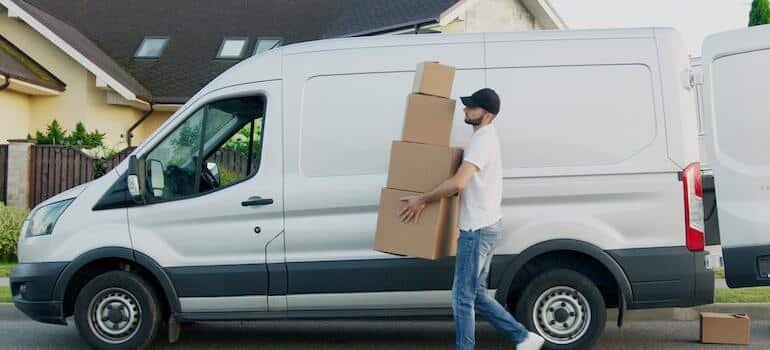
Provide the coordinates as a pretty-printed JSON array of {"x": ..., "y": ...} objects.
[{"x": 256, "y": 201}]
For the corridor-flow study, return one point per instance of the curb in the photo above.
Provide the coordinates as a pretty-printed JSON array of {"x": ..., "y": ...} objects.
[{"x": 757, "y": 311}]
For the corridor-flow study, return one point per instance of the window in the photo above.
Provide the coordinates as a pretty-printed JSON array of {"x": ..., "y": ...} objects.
[
  {"x": 266, "y": 44},
  {"x": 232, "y": 48},
  {"x": 226, "y": 134},
  {"x": 151, "y": 47}
]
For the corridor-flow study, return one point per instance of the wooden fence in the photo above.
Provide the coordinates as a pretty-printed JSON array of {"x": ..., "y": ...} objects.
[
  {"x": 3, "y": 172},
  {"x": 231, "y": 160},
  {"x": 56, "y": 168}
]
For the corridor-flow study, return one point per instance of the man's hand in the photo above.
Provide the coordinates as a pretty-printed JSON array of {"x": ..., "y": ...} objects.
[{"x": 413, "y": 208}]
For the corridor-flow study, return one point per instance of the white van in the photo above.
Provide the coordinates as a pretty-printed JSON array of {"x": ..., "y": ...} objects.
[
  {"x": 736, "y": 127},
  {"x": 258, "y": 198}
]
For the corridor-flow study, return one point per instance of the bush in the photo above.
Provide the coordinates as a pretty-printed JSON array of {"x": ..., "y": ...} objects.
[
  {"x": 11, "y": 220},
  {"x": 80, "y": 138}
]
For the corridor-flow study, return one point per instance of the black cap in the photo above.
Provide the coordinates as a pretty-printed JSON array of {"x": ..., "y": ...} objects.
[{"x": 485, "y": 98}]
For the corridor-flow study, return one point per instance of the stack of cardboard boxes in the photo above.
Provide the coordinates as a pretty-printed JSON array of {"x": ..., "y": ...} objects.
[{"x": 421, "y": 160}]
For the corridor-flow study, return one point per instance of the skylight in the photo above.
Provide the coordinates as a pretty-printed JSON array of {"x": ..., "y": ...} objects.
[
  {"x": 151, "y": 47},
  {"x": 266, "y": 44},
  {"x": 232, "y": 48}
]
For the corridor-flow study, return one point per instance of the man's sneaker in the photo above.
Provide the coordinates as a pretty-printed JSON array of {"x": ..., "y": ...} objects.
[{"x": 533, "y": 342}]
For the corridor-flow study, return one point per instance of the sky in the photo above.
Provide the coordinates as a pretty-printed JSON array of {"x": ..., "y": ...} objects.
[{"x": 695, "y": 19}]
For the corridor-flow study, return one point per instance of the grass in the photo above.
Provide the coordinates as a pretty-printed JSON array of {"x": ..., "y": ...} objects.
[
  {"x": 719, "y": 273},
  {"x": 742, "y": 295},
  {"x": 5, "y": 268},
  {"x": 5, "y": 294}
]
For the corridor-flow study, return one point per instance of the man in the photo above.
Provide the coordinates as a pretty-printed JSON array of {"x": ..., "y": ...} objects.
[{"x": 479, "y": 181}]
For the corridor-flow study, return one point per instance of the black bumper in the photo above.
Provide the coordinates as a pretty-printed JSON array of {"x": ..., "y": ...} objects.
[
  {"x": 666, "y": 277},
  {"x": 32, "y": 287}
]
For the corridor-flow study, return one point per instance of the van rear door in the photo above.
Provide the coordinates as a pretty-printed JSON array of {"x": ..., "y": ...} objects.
[{"x": 736, "y": 71}]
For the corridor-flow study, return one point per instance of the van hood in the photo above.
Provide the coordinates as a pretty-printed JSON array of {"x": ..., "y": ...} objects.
[{"x": 68, "y": 194}]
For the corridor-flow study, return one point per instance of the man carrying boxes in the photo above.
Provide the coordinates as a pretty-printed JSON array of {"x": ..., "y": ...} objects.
[{"x": 423, "y": 167}]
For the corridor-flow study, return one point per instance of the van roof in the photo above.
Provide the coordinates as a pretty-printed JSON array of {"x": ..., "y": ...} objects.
[{"x": 424, "y": 39}]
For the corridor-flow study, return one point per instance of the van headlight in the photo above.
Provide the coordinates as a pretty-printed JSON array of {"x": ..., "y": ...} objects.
[{"x": 43, "y": 219}]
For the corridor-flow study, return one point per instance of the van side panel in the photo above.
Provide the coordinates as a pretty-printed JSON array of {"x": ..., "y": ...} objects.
[{"x": 343, "y": 107}]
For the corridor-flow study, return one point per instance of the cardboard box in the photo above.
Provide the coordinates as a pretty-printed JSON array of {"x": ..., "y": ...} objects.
[
  {"x": 434, "y": 79},
  {"x": 428, "y": 120},
  {"x": 419, "y": 167},
  {"x": 432, "y": 236},
  {"x": 716, "y": 328}
]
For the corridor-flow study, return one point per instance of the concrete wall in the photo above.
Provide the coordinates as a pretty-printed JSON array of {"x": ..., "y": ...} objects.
[
  {"x": 14, "y": 115},
  {"x": 81, "y": 101},
  {"x": 494, "y": 16}
]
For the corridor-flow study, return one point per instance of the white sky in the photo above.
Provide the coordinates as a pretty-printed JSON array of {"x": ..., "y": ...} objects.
[{"x": 695, "y": 19}]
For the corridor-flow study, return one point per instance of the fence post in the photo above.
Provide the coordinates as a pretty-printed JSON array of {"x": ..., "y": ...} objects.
[{"x": 18, "y": 173}]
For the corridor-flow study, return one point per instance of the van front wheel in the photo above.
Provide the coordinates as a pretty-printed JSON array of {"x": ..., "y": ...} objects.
[
  {"x": 564, "y": 307},
  {"x": 117, "y": 310}
]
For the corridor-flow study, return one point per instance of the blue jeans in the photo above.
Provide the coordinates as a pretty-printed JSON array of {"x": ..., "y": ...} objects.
[{"x": 469, "y": 289}]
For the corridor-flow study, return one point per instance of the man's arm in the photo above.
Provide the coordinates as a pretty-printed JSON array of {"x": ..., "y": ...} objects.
[{"x": 415, "y": 204}]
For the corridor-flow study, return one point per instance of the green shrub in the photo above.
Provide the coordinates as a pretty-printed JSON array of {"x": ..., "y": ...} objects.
[
  {"x": 227, "y": 177},
  {"x": 80, "y": 138},
  {"x": 11, "y": 220}
]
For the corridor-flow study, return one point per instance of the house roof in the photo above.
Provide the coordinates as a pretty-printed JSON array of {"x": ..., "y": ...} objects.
[
  {"x": 16, "y": 64},
  {"x": 370, "y": 16},
  {"x": 108, "y": 32}
]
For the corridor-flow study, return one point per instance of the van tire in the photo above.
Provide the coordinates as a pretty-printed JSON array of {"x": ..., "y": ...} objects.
[
  {"x": 131, "y": 312},
  {"x": 576, "y": 301}
]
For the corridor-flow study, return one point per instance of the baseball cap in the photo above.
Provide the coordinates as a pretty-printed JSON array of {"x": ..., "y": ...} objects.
[{"x": 485, "y": 98}]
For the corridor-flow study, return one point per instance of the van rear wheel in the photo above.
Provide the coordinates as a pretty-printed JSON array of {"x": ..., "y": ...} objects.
[
  {"x": 117, "y": 310},
  {"x": 564, "y": 307}
]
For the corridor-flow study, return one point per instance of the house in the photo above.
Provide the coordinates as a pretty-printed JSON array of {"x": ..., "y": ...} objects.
[{"x": 123, "y": 67}]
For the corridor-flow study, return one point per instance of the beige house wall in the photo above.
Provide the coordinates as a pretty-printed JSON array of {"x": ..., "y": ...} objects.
[
  {"x": 149, "y": 125},
  {"x": 494, "y": 16},
  {"x": 14, "y": 115},
  {"x": 82, "y": 100}
]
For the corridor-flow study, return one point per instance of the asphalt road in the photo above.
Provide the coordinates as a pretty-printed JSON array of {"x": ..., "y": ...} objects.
[{"x": 402, "y": 335}]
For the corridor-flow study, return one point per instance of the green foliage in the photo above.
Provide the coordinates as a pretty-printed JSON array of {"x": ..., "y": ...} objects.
[
  {"x": 5, "y": 268},
  {"x": 240, "y": 141},
  {"x": 227, "y": 177},
  {"x": 54, "y": 135},
  {"x": 188, "y": 136},
  {"x": 11, "y": 220},
  {"x": 760, "y": 13},
  {"x": 5, "y": 295},
  {"x": 80, "y": 138},
  {"x": 742, "y": 295}
]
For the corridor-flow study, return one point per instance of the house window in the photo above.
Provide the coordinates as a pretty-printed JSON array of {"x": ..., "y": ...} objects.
[
  {"x": 151, "y": 47},
  {"x": 232, "y": 48},
  {"x": 266, "y": 44}
]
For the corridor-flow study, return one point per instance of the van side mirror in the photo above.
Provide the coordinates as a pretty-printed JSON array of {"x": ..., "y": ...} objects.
[
  {"x": 157, "y": 178},
  {"x": 135, "y": 188}
]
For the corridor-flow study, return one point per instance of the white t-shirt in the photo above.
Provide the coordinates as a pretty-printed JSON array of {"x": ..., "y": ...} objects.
[{"x": 481, "y": 197}]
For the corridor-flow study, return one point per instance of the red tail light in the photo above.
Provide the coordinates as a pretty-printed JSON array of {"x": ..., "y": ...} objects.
[{"x": 693, "y": 207}]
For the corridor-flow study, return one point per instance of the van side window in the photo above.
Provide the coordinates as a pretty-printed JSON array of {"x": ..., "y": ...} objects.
[{"x": 217, "y": 146}]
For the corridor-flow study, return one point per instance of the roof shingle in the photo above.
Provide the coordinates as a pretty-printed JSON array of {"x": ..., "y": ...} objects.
[{"x": 115, "y": 28}]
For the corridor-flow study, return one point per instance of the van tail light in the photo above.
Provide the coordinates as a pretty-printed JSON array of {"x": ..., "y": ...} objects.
[{"x": 692, "y": 183}]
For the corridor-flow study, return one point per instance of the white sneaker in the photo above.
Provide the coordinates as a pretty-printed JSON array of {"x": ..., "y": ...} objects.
[{"x": 532, "y": 342}]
